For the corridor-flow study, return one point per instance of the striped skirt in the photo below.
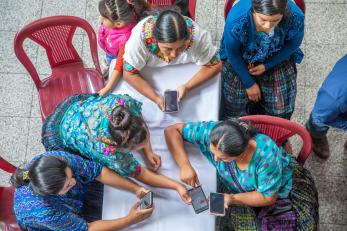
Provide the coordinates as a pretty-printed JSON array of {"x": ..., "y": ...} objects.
[
  {"x": 304, "y": 198},
  {"x": 50, "y": 138},
  {"x": 278, "y": 92}
]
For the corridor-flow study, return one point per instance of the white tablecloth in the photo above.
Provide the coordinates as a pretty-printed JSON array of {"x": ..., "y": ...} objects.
[{"x": 200, "y": 104}]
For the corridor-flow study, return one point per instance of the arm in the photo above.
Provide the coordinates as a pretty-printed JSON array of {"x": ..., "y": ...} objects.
[
  {"x": 111, "y": 178},
  {"x": 287, "y": 50},
  {"x": 153, "y": 158},
  {"x": 253, "y": 199},
  {"x": 111, "y": 84},
  {"x": 142, "y": 86},
  {"x": 205, "y": 73},
  {"x": 174, "y": 140}
]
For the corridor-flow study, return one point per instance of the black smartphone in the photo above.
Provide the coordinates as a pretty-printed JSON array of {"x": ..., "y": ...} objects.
[
  {"x": 217, "y": 204},
  {"x": 199, "y": 200},
  {"x": 171, "y": 101},
  {"x": 147, "y": 201}
]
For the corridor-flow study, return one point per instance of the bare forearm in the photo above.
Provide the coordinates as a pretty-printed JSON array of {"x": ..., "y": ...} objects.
[
  {"x": 148, "y": 149},
  {"x": 141, "y": 85},
  {"x": 254, "y": 199},
  {"x": 175, "y": 144},
  {"x": 156, "y": 180},
  {"x": 112, "y": 225},
  {"x": 111, "y": 178},
  {"x": 115, "y": 77},
  {"x": 204, "y": 74}
]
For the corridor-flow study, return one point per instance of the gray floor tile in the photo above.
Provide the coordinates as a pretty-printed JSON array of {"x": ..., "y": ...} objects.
[
  {"x": 333, "y": 212},
  {"x": 35, "y": 105},
  {"x": 13, "y": 136},
  {"x": 318, "y": 167},
  {"x": 326, "y": 1},
  {"x": 206, "y": 14},
  {"x": 92, "y": 14},
  {"x": 319, "y": 61},
  {"x": 332, "y": 227},
  {"x": 324, "y": 23},
  {"x": 86, "y": 55},
  {"x": 16, "y": 14},
  {"x": 34, "y": 139},
  {"x": 15, "y": 91},
  {"x": 8, "y": 59},
  {"x": 299, "y": 116},
  {"x": 331, "y": 188},
  {"x": 64, "y": 7},
  {"x": 300, "y": 97}
]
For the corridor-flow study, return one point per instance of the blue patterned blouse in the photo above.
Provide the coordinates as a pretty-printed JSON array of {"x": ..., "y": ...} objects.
[
  {"x": 84, "y": 129},
  {"x": 242, "y": 45},
  {"x": 56, "y": 212},
  {"x": 268, "y": 172}
]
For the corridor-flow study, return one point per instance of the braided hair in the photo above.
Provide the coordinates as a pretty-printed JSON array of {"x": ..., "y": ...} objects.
[{"x": 124, "y": 10}]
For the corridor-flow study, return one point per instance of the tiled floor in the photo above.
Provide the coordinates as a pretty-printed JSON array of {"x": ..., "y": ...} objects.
[{"x": 325, "y": 42}]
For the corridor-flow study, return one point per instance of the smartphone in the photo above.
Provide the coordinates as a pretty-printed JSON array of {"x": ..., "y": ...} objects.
[
  {"x": 147, "y": 201},
  {"x": 171, "y": 101},
  {"x": 217, "y": 204},
  {"x": 199, "y": 200}
]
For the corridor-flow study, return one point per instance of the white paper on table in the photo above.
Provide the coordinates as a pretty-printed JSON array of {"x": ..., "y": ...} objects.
[{"x": 201, "y": 104}]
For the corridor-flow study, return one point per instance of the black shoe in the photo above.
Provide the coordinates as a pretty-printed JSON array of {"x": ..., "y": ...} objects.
[{"x": 321, "y": 147}]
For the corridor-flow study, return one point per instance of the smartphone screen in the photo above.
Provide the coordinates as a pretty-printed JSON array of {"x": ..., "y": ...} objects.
[
  {"x": 199, "y": 200},
  {"x": 171, "y": 102},
  {"x": 147, "y": 201},
  {"x": 217, "y": 204}
]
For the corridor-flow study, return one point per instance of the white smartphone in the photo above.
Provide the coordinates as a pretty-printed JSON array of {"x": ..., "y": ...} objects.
[{"x": 217, "y": 204}]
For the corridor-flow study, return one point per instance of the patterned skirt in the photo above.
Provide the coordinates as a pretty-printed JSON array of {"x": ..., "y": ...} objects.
[
  {"x": 50, "y": 138},
  {"x": 304, "y": 198},
  {"x": 278, "y": 92}
]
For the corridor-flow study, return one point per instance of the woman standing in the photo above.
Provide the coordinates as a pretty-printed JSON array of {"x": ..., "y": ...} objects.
[
  {"x": 262, "y": 184},
  {"x": 259, "y": 49}
]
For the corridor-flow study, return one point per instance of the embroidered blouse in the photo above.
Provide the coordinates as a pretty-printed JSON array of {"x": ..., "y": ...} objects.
[
  {"x": 142, "y": 48},
  {"x": 56, "y": 212},
  {"x": 84, "y": 129},
  {"x": 242, "y": 45},
  {"x": 268, "y": 172}
]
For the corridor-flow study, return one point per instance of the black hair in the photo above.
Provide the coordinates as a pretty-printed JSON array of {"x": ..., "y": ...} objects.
[
  {"x": 170, "y": 27},
  {"x": 271, "y": 7},
  {"x": 126, "y": 129},
  {"x": 123, "y": 10},
  {"x": 45, "y": 176},
  {"x": 232, "y": 136}
]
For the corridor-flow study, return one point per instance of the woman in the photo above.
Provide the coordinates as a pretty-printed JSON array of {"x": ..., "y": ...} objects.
[
  {"x": 261, "y": 182},
  {"x": 259, "y": 49},
  {"x": 52, "y": 194},
  {"x": 105, "y": 129},
  {"x": 169, "y": 39}
]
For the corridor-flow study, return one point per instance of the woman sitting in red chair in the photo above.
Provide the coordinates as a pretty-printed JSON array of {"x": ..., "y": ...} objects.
[{"x": 261, "y": 183}]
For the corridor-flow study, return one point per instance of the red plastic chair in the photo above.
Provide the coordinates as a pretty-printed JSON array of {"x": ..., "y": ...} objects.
[
  {"x": 280, "y": 129},
  {"x": 7, "y": 217},
  {"x": 69, "y": 76},
  {"x": 164, "y": 3},
  {"x": 229, "y": 4}
]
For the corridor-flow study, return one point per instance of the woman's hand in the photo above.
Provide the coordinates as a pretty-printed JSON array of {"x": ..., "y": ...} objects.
[
  {"x": 254, "y": 92},
  {"x": 256, "y": 70},
  {"x": 136, "y": 215},
  {"x": 104, "y": 91},
  {"x": 189, "y": 176},
  {"x": 183, "y": 192},
  {"x": 154, "y": 160},
  {"x": 228, "y": 200},
  {"x": 182, "y": 91},
  {"x": 160, "y": 102},
  {"x": 141, "y": 192}
]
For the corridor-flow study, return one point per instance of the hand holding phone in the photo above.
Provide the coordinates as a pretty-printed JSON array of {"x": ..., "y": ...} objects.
[
  {"x": 199, "y": 200},
  {"x": 170, "y": 101},
  {"x": 147, "y": 201},
  {"x": 217, "y": 204}
]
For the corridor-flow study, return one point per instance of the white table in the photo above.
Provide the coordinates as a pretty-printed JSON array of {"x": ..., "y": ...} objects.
[{"x": 200, "y": 104}]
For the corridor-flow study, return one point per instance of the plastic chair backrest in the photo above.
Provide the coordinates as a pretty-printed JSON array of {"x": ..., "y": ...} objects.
[
  {"x": 7, "y": 217},
  {"x": 229, "y": 4},
  {"x": 280, "y": 129},
  {"x": 55, "y": 35}
]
